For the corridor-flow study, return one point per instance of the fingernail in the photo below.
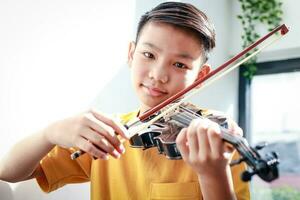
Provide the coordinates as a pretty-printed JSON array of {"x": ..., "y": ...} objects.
[{"x": 116, "y": 154}]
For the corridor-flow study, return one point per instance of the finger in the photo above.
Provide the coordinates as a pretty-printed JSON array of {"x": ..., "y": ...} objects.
[
  {"x": 239, "y": 131},
  {"x": 204, "y": 146},
  {"x": 115, "y": 124},
  {"x": 91, "y": 149},
  {"x": 181, "y": 143},
  {"x": 107, "y": 131},
  {"x": 101, "y": 142},
  {"x": 192, "y": 138},
  {"x": 228, "y": 155},
  {"x": 234, "y": 128},
  {"x": 109, "y": 134},
  {"x": 215, "y": 140}
]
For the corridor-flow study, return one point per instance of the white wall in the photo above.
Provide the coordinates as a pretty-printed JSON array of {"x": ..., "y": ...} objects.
[{"x": 55, "y": 56}]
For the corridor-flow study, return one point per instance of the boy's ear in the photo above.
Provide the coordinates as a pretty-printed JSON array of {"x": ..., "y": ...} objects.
[
  {"x": 205, "y": 69},
  {"x": 131, "y": 50}
]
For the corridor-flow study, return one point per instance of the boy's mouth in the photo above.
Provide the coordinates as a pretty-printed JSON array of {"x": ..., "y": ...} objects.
[{"x": 154, "y": 91}]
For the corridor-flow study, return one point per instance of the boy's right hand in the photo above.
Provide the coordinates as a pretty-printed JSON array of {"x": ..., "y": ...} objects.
[{"x": 92, "y": 132}]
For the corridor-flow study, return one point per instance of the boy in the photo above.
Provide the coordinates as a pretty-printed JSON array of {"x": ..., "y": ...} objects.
[{"x": 169, "y": 53}]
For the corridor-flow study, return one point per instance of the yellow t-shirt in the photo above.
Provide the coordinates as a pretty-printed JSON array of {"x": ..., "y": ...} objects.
[{"x": 138, "y": 174}]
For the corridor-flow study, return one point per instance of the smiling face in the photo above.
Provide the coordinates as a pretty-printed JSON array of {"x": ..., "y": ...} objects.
[{"x": 164, "y": 61}]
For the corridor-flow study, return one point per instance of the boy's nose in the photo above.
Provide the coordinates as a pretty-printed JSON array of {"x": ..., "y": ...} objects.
[{"x": 159, "y": 73}]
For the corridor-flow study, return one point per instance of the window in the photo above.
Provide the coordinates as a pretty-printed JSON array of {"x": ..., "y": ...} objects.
[{"x": 270, "y": 111}]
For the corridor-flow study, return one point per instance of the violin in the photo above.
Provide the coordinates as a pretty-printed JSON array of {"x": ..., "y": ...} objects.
[
  {"x": 163, "y": 133},
  {"x": 159, "y": 126}
]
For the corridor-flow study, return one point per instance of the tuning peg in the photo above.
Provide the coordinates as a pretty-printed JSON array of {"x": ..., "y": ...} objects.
[
  {"x": 247, "y": 175},
  {"x": 236, "y": 162},
  {"x": 260, "y": 145}
]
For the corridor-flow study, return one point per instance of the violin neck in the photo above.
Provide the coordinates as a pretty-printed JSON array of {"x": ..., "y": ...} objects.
[
  {"x": 225, "y": 133},
  {"x": 230, "y": 138}
]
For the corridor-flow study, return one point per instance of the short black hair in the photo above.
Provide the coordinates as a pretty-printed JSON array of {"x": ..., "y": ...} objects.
[{"x": 183, "y": 16}]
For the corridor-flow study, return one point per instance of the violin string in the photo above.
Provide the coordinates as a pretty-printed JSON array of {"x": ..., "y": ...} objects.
[
  {"x": 237, "y": 141},
  {"x": 190, "y": 115},
  {"x": 195, "y": 115}
]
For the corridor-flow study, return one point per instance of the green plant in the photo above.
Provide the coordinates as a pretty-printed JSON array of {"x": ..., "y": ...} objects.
[{"x": 255, "y": 12}]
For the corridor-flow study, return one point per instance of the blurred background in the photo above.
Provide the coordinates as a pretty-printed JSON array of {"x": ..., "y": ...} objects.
[{"x": 59, "y": 58}]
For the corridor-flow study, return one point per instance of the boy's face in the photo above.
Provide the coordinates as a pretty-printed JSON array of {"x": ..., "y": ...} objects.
[{"x": 164, "y": 61}]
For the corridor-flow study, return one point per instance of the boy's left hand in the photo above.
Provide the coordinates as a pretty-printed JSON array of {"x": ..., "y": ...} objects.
[{"x": 202, "y": 147}]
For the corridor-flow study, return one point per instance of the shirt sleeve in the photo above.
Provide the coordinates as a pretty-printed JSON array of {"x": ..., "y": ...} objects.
[{"x": 58, "y": 169}]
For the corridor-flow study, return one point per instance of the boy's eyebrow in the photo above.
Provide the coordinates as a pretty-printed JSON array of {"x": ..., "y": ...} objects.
[
  {"x": 152, "y": 46},
  {"x": 181, "y": 55},
  {"x": 185, "y": 56}
]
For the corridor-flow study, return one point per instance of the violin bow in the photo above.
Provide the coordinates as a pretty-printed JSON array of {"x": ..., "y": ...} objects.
[{"x": 135, "y": 125}]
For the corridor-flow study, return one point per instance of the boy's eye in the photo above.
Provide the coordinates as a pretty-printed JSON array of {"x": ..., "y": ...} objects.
[
  {"x": 180, "y": 65},
  {"x": 148, "y": 55}
]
